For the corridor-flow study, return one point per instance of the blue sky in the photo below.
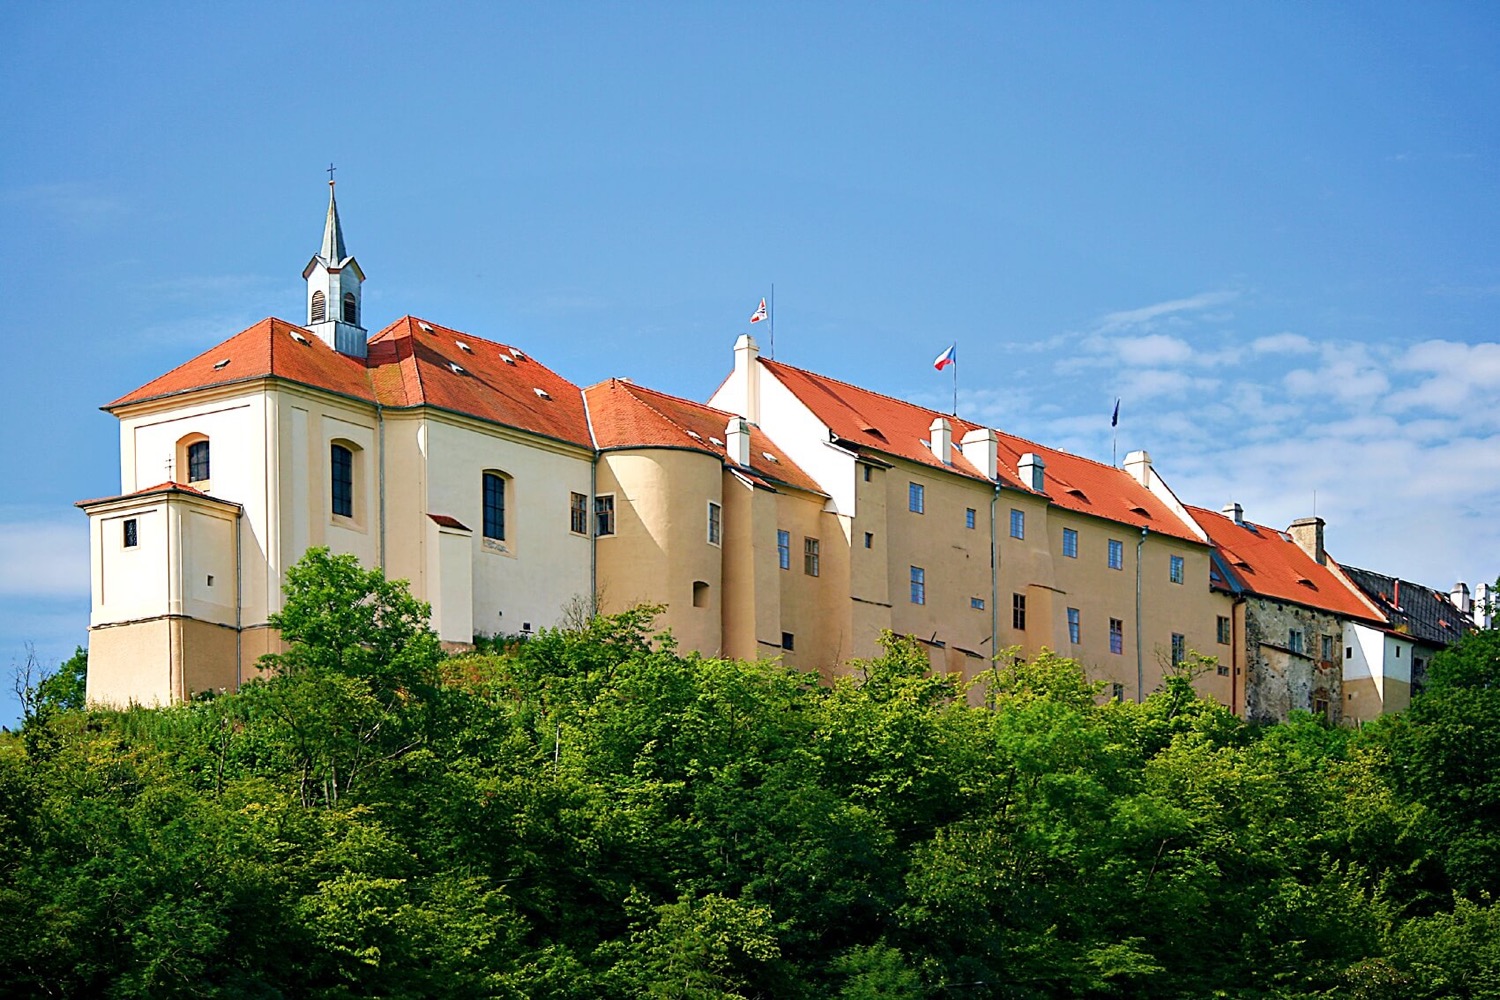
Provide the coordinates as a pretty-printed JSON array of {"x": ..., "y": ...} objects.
[{"x": 1270, "y": 229}]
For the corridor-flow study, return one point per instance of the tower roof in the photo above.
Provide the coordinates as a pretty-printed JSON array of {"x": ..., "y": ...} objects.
[{"x": 333, "y": 233}]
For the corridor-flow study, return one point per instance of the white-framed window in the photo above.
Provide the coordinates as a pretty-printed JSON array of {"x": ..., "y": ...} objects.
[
  {"x": 810, "y": 556},
  {"x": 1070, "y": 543},
  {"x": 970, "y": 516},
  {"x": 578, "y": 514},
  {"x": 784, "y": 549},
  {"x": 1116, "y": 554},
  {"x": 1116, "y": 635},
  {"x": 1177, "y": 574},
  {"x": 1179, "y": 648},
  {"x": 1294, "y": 640},
  {"x": 1075, "y": 625},
  {"x": 918, "y": 585},
  {"x": 604, "y": 514},
  {"x": 916, "y": 498},
  {"x": 715, "y": 523},
  {"x": 494, "y": 506},
  {"x": 1225, "y": 633},
  {"x": 1017, "y": 523}
]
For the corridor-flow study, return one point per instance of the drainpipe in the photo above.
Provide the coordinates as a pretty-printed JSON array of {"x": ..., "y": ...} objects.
[
  {"x": 380, "y": 424},
  {"x": 994, "y": 584},
  {"x": 1140, "y": 663},
  {"x": 239, "y": 603},
  {"x": 589, "y": 526}
]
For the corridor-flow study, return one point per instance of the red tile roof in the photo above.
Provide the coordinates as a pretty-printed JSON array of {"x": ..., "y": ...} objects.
[
  {"x": 167, "y": 487},
  {"x": 410, "y": 363},
  {"x": 877, "y": 423},
  {"x": 1266, "y": 562},
  {"x": 626, "y": 415}
]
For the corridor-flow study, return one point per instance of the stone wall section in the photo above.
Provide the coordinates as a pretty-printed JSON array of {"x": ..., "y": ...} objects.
[{"x": 1280, "y": 680}]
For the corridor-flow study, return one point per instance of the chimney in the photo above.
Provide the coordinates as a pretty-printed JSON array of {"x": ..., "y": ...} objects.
[
  {"x": 1234, "y": 512},
  {"x": 980, "y": 447},
  {"x": 1033, "y": 471},
  {"x": 1459, "y": 595},
  {"x": 747, "y": 375},
  {"x": 1307, "y": 532},
  {"x": 1138, "y": 467},
  {"x": 1484, "y": 605},
  {"x": 737, "y": 441},
  {"x": 942, "y": 440}
]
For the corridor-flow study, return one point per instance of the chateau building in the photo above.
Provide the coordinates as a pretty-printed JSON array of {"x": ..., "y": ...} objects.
[{"x": 792, "y": 515}]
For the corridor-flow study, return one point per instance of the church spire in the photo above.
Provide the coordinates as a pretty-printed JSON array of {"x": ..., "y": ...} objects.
[
  {"x": 334, "y": 281},
  {"x": 333, "y": 232}
]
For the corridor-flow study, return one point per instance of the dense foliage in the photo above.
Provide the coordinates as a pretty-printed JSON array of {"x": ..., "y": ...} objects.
[{"x": 589, "y": 814}]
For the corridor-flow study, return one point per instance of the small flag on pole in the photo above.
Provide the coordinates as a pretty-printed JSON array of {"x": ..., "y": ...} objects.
[
  {"x": 759, "y": 313},
  {"x": 1114, "y": 421},
  {"x": 948, "y": 357}
]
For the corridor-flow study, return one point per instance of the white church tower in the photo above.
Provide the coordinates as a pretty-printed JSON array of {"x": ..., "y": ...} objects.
[{"x": 333, "y": 289}]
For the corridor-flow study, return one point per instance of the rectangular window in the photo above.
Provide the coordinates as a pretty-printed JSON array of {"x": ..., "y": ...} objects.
[
  {"x": 604, "y": 515},
  {"x": 1018, "y": 612},
  {"x": 977, "y": 603},
  {"x": 1117, "y": 692},
  {"x": 494, "y": 507},
  {"x": 197, "y": 453},
  {"x": 869, "y": 539},
  {"x": 1223, "y": 670},
  {"x": 1348, "y": 652},
  {"x": 715, "y": 523},
  {"x": 1074, "y": 626},
  {"x": 1179, "y": 648},
  {"x": 1018, "y": 524},
  {"x": 918, "y": 585},
  {"x": 1116, "y": 554},
  {"x": 1116, "y": 635},
  {"x": 1224, "y": 630},
  {"x": 1177, "y": 573},
  {"x": 810, "y": 556},
  {"x": 341, "y": 461},
  {"x": 867, "y": 473},
  {"x": 788, "y": 641},
  {"x": 969, "y": 518},
  {"x": 916, "y": 498},
  {"x": 1070, "y": 543},
  {"x": 1294, "y": 640},
  {"x": 1327, "y": 647},
  {"x": 578, "y": 514},
  {"x": 784, "y": 549},
  {"x": 132, "y": 539}
]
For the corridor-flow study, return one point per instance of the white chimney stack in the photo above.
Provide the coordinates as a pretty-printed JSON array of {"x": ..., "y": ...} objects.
[
  {"x": 941, "y": 434},
  {"x": 747, "y": 376},
  {"x": 1460, "y": 597},
  {"x": 1234, "y": 512},
  {"x": 1138, "y": 467},
  {"x": 981, "y": 447},
  {"x": 737, "y": 441},
  {"x": 1033, "y": 471}
]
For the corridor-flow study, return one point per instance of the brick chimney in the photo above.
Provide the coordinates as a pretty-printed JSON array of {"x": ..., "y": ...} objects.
[{"x": 1307, "y": 532}]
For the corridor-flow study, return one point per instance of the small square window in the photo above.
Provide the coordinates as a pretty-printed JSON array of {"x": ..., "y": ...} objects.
[
  {"x": 977, "y": 603},
  {"x": 969, "y": 518},
  {"x": 918, "y": 585},
  {"x": 916, "y": 498},
  {"x": 1223, "y": 670},
  {"x": 1225, "y": 634},
  {"x": 784, "y": 549},
  {"x": 1070, "y": 543},
  {"x": 132, "y": 537},
  {"x": 1117, "y": 692},
  {"x": 788, "y": 641},
  {"x": 1116, "y": 554},
  {"x": 1074, "y": 626},
  {"x": 1018, "y": 524},
  {"x": 810, "y": 556},
  {"x": 1116, "y": 635},
  {"x": 1177, "y": 573}
]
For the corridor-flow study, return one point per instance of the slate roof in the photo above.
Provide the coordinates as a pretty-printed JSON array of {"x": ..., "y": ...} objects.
[
  {"x": 626, "y": 415},
  {"x": 1266, "y": 562},
  {"x": 872, "y": 422},
  {"x": 411, "y": 363},
  {"x": 1427, "y": 615}
]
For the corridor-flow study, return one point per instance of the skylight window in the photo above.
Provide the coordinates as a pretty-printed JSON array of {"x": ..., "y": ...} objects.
[
  {"x": 770, "y": 457},
  {"x": 464, "y": 347},
  {"x": 695, "y": 435},
  {"x": 299, "y": 338},
  {"x": 542, "y": 393},
  {"x": 507, "y": 359},
  {"x": 221, "y": 364},
  {"x": 426, "y": 327},
  {"x": 716, "y": 441},
  {"x": 515, "y": 353},
  {"x": 457, "y": 369}
]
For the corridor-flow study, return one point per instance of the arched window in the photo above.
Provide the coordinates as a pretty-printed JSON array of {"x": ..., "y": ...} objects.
[
  {"x": 341, "y": 464},
  {"x": 319, "y": 308},
  {"x": 351, "y": 311},
  {"x": 494, "y": 506},
  {"x": 197, "y": 461}
]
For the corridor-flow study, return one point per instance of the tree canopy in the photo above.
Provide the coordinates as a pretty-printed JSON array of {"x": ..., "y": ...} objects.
[{"x": 590, "y": 813}]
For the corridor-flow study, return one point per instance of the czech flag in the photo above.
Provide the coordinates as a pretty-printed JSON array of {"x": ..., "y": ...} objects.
[
  {"x": 948, "y": 357},
  {"x": 760, "y": 313}
]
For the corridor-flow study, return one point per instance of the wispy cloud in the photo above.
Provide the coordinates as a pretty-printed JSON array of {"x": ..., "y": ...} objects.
[{"x": 1145, "y": 317}]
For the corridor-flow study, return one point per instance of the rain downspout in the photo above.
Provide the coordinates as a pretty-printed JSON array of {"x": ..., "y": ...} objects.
[
  {"x": 1140, "y": 663},
  {"x": 994, "y": 584},
  {"x": 380, "y": 424},
  {"x": 239, "y": 602}
]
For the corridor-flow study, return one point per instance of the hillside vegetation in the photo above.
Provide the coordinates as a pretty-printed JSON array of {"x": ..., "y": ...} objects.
[{"x": 591, "y": 814}]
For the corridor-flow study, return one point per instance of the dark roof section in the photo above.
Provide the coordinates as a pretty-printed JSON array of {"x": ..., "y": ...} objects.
[{"x": 1427, "y": 615}]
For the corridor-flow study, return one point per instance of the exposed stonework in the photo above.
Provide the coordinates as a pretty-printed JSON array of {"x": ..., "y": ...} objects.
[{"x": 1280, "y": 679}]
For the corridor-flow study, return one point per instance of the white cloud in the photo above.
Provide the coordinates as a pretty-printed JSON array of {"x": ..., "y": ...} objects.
[
  {"x": 1281, "y": 343},
  {"x": 1153, "y": 349},
  {"x": 1145, "y": 316},
  {"x": 44, "y": 558}
]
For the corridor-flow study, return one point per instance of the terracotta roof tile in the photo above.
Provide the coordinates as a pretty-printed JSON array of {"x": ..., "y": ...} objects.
[
  {"x": 167, "y": 487},
  {"x": 626, "y": 415},
  {"x": 1267, "y": 563},
  {"x": 878, "y": 423}
]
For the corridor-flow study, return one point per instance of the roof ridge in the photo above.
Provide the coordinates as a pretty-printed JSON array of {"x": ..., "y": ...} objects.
[
  {"x": 874, "y": 392},
  {"x": 679, "y": 399},
  {"x": 630, "y": 386}
]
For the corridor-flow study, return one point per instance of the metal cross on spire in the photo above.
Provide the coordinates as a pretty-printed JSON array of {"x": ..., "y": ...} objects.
[{"x": 331, "y": 169}]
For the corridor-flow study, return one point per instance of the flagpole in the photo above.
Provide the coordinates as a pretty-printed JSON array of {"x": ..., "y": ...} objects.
[
  {"x": 955, "y": 378},
  {"x": 773, "y": 321}
]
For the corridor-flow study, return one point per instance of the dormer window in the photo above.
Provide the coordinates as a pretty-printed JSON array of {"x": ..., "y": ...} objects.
[
  {"x": 351, "y": 309},
  {"x": 319, "y": 310}
]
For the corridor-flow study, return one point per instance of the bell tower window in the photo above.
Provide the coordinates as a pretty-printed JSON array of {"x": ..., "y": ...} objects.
[
  {"x": 197, "y": 456},
  {"x": 351, "y": 309},
  {"x": 319, "y": 308}
]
